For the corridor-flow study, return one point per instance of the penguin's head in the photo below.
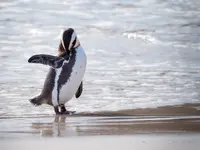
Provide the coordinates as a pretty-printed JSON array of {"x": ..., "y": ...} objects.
[{"x": 68, "y": 41}]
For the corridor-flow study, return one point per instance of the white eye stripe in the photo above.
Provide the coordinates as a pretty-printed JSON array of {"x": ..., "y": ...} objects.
[
  {"x": 62, "y": 37},
  {"x": 73, "y": 37},
  {"x": 77, "y": 43}
]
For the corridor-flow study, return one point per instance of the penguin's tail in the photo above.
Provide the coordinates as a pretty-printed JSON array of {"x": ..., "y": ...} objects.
[{"x": 36, "y": 101}]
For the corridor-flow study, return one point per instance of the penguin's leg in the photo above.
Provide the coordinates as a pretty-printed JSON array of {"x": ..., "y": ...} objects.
[
  {"x": 64, "y": 111},
  {"x": 79, "y": 91},
  {"x": 56, "y": 109},
  {"x": 62, "y": 108}
]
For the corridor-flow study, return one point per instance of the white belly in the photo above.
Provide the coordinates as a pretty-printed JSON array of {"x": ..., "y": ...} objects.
[{"x": 69, "y": 89}]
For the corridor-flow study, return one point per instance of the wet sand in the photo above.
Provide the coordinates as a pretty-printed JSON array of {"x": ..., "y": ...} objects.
[
  {"x": 176, "y": 127},
  {"x": 187, "y": 109},
  {"x": 142, "y": 142},
  {"x": 100, "y": 132}
]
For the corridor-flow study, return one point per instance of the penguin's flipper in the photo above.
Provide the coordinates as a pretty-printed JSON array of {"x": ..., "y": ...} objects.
[
  {"x": 79, "y": 91},
  {"x": 53, "y": 61}
]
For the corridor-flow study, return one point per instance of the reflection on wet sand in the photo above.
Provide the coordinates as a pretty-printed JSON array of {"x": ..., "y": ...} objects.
[
  {"x": 56, "y": 128},
  {"x": 83, "y": 126},
  {"x": 168, "y": 119}
]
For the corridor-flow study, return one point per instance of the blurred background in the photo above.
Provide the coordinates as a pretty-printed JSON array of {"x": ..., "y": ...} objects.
[{"x": 141, "y": 53}]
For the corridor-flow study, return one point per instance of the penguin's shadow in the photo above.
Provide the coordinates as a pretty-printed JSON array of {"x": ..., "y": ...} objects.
[{"x": 58, "y": 128}]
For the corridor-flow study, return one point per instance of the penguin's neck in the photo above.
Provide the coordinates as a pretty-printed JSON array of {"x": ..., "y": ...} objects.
[
  {"x": 65, "y": 55},
  {"x": 75, "y": 49},
  {"x": 68, "y": 54}
]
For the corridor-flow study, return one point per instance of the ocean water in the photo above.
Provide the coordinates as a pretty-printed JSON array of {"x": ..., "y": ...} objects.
[{"x": 141, "y": 53}]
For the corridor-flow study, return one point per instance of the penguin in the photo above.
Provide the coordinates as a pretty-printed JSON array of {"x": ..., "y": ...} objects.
[{"x": 64, "y": 79}]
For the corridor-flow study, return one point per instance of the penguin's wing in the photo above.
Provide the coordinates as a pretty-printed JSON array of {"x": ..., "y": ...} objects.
[
  {"x": 79, "y": 91},
  {"x": 53, "y": 61}
]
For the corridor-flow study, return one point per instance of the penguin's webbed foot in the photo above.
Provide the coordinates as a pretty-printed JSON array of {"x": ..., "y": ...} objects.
[
  {"x": 68, "y": 112},
  {"x": 62, "y": 111}
]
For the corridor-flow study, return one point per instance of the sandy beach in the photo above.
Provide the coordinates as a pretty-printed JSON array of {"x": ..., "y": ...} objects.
[
  {"x": 111, "y": 133},
  {"x": 143, "y": 142},
  {"x": 103, "y": 130}
]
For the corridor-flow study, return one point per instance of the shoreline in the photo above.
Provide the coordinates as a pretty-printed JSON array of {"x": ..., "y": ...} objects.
[{"x": 189, "y": 109}]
